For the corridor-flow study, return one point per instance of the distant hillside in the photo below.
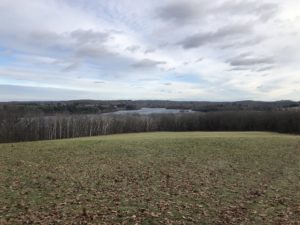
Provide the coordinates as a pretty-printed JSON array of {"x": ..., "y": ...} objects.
[{"x": 103, "y": 106}]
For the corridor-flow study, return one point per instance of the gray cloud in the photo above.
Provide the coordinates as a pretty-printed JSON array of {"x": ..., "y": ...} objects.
[
  {"x": 259, "y": 9},
  {"x": 65, "y": 44},
  {"x": 178, "y": 11},
  {"x": 74, "y": 65},
  {"x": 47, "y": 41},
  {"x": 200, "y": 39},
  {"x": 198, "y": 60},
  {"x": 147, "y": 63},
  {"x": 93, "y": 51},
  {"x": 133, "y": 48},
  {"x": 84, "y": 36},
  {"x": 149, "y": 50},
  {"x": 70, "y": 50},
  {"x": 250, "y": 40},
  {"x": 251, "y": 61},
  {"x": 265, "y": 68},
  {"x": 238, "y": 68},
  {"x": 67, "y": 40}
]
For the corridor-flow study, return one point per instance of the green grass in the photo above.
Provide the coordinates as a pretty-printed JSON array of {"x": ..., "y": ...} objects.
[{"x": 153, "y": 178}]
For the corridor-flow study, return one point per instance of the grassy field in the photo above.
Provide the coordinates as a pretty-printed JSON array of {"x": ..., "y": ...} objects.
[{"x": 153, "y": 178}]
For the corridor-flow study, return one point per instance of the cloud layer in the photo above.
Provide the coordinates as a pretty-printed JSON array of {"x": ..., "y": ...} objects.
[{"x": 169, "y": 49}]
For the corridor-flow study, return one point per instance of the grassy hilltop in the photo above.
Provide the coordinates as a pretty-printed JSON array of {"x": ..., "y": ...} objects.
[{"x": 153, "y": 178}]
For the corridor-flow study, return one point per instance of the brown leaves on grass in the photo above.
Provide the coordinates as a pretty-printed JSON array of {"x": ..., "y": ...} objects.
[{"x": 152, "y": 183}]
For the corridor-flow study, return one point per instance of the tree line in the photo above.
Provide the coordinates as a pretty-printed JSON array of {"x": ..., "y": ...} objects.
[
  {"x": 16, "y": 127},
  {"x": 105, "y": 106}
]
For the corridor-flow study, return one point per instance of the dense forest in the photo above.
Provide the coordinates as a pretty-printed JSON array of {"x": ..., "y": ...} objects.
[{"x": 47, "y": 121}]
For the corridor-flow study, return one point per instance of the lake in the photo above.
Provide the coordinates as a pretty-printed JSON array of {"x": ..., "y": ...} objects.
[{"x": 147, "y": 111}]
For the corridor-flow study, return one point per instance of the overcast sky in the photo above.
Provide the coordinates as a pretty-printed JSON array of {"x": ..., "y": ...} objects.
[{"x": 220, "y": 50}]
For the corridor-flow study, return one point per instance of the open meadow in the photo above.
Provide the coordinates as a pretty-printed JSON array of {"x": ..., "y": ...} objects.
[{"x": 153, "y": 178}]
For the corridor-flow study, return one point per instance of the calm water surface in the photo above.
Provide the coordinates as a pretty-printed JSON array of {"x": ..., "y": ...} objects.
[{"x": 147, "y": 111}]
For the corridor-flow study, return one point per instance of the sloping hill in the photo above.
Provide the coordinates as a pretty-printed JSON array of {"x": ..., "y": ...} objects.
[{"x": 153, "y": 178}]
